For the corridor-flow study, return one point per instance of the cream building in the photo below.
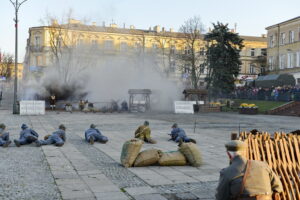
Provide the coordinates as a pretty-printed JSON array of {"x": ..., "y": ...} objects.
[
  {"x": 112, "y": 40},
  {"x": 284, "y": 48}
]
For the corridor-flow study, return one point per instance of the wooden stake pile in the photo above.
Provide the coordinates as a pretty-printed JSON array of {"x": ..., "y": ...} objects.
[{"x": 282, "y": 153}]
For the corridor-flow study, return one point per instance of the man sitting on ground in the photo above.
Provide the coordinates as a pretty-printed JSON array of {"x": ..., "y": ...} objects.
[
  {"x": 27, "y": 136},
  {"x": 144, "y": 133},
  {"x": 4, "y": 136},
  {"x": 178, "y": 134},
  {"x": 58, "y": 138},
  {"x": 93, "y": 134}
]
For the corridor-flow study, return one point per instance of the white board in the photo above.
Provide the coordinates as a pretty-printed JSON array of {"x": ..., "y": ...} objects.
[
  {"x": 32, "y": 107},
  {"x": 185, "y": 106}
]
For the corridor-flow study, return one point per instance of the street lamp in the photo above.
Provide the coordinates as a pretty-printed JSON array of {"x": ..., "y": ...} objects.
[{"x": 17, "y": 5}]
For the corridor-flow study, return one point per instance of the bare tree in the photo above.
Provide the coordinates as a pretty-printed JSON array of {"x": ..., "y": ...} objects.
[
  {"x": 192, "y": 58},
  {"x": 6, "y": 65},
  {"x": 67, "y": 52}
]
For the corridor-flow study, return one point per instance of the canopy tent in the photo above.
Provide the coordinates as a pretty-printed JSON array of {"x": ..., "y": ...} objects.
[{"x": 275, "y": 80}]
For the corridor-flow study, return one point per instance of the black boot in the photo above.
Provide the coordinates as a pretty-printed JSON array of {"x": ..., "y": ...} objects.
[{"x": 17, "y": 143}]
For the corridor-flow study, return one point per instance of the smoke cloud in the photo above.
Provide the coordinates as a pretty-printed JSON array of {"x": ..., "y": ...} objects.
[{"x": 87, "y": 73}]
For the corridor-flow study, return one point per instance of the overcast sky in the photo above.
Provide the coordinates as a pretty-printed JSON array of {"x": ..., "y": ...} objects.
[{"x": 251, "y": 16}]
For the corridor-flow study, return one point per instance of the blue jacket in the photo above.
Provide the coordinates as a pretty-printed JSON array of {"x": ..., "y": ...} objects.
[
  {"x": 91, "y": 131},
  {"x": 28, "y": 131},
  {"x": 60, "y": 133},
  {"x": 178, "y": 132}
]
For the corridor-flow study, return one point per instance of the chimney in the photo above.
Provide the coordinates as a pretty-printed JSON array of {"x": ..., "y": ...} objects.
[
  {"x": 157, "y": 28},
  {"x": 74, "y": 21},
  {"x": 54, "y": 22},
  {"x": 94, "y": 24},
  {"x": 150, "y": 29},
  {"x": 103, "y": 24},
  {"x": 113, "y": 25},
  {"x": 171, "y": 30},
  {"x": 163, "y": 29},
  {"x": 132, "y": 27}
]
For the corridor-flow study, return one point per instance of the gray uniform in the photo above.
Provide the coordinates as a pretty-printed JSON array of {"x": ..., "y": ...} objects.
[
  {"x": 96, "y": 134},
  {"x": 58, "y": 138},
  {"x": 261, "y": 180},
  {"x": 4, "y": 137},
  {"x": 27, "y": 136}
]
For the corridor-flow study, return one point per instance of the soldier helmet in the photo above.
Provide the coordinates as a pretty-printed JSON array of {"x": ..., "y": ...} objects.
[
  {"x": 92, "y": 126},
  {"x": 62, "y": 127},
  {"x": 146, "y": 123},
  {"x": 2, "y": 126},
  {"x": 24, "y": 126},
  {"x": 175, "y": 125},
  {"x": 236, "y": 145}
]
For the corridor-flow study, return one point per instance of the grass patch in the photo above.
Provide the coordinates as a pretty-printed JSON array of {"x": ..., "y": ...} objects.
[{"x": 263, "y": 106}]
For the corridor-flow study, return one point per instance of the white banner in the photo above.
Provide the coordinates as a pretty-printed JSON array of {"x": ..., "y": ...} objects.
[
  {"x": 185, "y": 106},
  {"x": 32, "y": 107}
]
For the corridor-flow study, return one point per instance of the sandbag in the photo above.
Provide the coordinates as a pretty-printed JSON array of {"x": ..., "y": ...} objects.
[
  {"x": 174, "y": 158},
  {"x": 147, "y": 157},
  {"x": 191, "y": 153},
  {"x": 130, "y": 150}
]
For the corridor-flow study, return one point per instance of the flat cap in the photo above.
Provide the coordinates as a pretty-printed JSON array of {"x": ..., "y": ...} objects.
[{"x": 236, "y": 145}]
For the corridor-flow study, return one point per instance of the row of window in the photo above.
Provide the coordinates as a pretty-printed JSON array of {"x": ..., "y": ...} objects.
[
  {"x": 283, "y": 38},
  {"x": 289, "y": 60}
]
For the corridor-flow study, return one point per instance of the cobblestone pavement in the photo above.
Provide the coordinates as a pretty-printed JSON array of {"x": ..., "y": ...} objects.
[
  {"x": 24, "y": 171},
  {"x": 79, "y": 170}
]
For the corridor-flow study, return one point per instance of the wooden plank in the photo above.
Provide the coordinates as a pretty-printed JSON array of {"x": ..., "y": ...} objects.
[{"x": 288, "y": 181}]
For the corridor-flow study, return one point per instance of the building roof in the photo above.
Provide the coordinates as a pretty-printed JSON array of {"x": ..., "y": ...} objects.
[
  {"x": 93, "y": 28},
  {"x": 254, "y": 38},
  {"x": 284, "y": 22}
]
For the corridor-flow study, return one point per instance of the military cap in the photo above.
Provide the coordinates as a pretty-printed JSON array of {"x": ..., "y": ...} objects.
[
  {"x": 24, "y": 126},
  {"x": 175, "y": 125},
  {"x": 92, "y": 126},
  {"x": 146, "y": 123},
  {"x": 62, "y": 127},
  {"x": 236, "y": 145},
  {"x": 2, "y": 126}
]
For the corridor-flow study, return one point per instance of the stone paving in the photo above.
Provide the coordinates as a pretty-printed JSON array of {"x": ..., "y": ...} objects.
[{"x": 79, "y": 170}]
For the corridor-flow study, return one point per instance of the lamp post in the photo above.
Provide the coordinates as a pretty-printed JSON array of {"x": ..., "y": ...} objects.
[{"x": 16, "y": 5}]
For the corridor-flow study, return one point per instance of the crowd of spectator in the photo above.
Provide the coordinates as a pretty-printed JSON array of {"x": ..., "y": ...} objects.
[{"x": 285, "y": 93}]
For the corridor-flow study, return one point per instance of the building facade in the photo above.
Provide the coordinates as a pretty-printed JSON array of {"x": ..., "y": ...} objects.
[
  {"x": 45, "y": 41},
  {"x": 284, "y": 48}
]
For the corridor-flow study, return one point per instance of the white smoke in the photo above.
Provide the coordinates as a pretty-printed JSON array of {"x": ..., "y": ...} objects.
[{"x": 108, "y": 77}]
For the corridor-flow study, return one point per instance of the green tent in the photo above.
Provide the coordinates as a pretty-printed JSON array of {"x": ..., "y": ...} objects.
[{"x": 275, "y": 80}]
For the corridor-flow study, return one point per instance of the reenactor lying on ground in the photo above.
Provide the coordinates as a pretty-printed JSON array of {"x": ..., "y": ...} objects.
[
  {"x": 246, "y": 179},
  {"x": 58, "y": 138},
  {"x": 93, "y": 134},
  {"x": 296, "y": 132},
  {"x": 144, "y": 133},
  {"x": 27, "y": 136},
  {"x": 254, "y": 132},
  {"x": 178, "y": 134},
  {"x": 4, "y": 136}
]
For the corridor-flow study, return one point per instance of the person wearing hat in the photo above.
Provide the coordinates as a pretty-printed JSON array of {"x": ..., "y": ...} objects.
[
  {"x": 246, "y": 179},
  {"x": 93, "y": 134},
  {"x": 178, "y": 134},
  {"x": 143, "y": 132},
  {"x": 58, "y": 138},
  {"x": 27, "y": 136},
  {"x": 4, "y": 136}
]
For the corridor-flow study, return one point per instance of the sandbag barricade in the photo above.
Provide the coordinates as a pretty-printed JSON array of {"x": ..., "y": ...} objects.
[
  {"x": 192, "y": 153},
  {"x": 147, "y": 157},
  {"x": 130, "y": 151},
  {"x": 282, "y": 153},
  {"x": 131, "y": 155},
  {"x": 174, "y": 158}
]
